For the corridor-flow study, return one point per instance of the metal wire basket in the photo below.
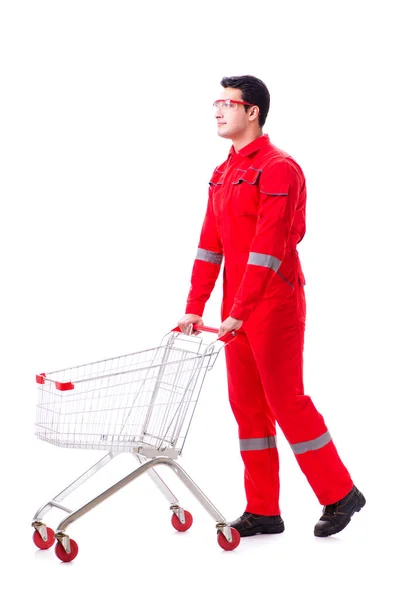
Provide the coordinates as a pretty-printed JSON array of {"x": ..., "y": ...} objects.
[{"x": 142, "y": 402}]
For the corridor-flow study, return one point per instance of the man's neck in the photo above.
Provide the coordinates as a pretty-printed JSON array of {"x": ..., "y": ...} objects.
[{"x": 247, "y": 138}]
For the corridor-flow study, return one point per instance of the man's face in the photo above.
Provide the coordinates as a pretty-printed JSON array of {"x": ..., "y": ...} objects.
[{"x": 232, "y": 121}]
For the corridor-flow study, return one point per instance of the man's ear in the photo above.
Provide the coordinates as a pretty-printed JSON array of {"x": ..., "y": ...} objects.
[{"x": 253, "y": 113}]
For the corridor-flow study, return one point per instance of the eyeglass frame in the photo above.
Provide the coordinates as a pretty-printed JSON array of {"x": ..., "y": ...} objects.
[{"x": 232, "y": 102}]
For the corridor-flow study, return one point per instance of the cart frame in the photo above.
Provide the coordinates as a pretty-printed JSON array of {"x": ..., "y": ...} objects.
[{"x": 148, "y": 455}]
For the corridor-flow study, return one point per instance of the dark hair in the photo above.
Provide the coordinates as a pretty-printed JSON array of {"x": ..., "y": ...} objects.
[{"x": 253, "y": 91}]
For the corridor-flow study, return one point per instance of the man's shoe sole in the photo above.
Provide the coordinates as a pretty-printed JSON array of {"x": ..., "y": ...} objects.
[
  {"x": 261, "y": 530},
  {"x": 357, "y": 508}
]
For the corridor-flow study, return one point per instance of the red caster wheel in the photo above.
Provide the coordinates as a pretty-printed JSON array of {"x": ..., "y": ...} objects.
[
  {"x": 182, "y": 526},
  {"x": 63, "y": 555},
  {"x": 40, "y": 542},
  {"x": 223, "y": 542}
]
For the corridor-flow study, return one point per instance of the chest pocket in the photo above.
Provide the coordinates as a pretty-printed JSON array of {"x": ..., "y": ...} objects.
[
  {"x": 276, "y": 193},
  {"x": 245, "y": 192},
  {"x": 217, "y": 178}
]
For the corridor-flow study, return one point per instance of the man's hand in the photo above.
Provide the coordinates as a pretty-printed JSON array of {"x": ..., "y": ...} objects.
[
  {"x": 187, "y": 321},
  {"x": 230, "y": 324}
]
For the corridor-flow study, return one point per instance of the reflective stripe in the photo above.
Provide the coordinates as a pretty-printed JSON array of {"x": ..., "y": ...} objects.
[
  {"x": 208, "y": 256},
  {"x": 258, "y": 443},
  {"x": 316, "y": 444},
  {"x": 264, "y": 260}
]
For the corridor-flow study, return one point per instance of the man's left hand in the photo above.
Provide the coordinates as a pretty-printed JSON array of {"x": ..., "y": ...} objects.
[{"x": 230, "y": 324}]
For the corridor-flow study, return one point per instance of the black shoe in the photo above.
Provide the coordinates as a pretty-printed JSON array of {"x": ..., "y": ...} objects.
[
  {"x": 251, "y": 524},
  {"x": 337, "y": 516}
]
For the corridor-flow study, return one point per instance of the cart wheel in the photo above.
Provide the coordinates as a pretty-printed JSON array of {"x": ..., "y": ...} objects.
[
  {"x": 223, "y": 542},
  {"x": 40, "y": 542},
  {"x": 182, "y": 526},
  {"x": 63, "y": 555}
]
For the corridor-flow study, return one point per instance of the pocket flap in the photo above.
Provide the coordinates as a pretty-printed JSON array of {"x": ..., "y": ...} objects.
[
  {"x": 302, "y": 280},
  {"x": 275, "y": 189},
  {"x": 216, "y": 177},
  {"x": 250, "y": 175}
]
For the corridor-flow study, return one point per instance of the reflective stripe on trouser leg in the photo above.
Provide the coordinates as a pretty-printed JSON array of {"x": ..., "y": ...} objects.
[
  {"x": 256, "y": 425},
  {"x": 314, "y": 444},
  {"x": 258, "y": 443}
]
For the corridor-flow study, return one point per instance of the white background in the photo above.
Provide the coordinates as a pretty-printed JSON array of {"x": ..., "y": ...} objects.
[{"x": 107, "y": 145}]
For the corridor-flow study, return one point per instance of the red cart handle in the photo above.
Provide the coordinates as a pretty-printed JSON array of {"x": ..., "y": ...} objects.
[
  {"x": 204, "y": 328},
  {"x": 224, "y": 338}
]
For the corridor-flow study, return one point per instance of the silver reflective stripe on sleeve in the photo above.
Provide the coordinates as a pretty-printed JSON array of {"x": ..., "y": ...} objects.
[
  {"x": 315, "y": 444},
  {"x": 258, "y": 443},
  {"x": 208, "y": 256},
  {"x": 264, "y": 260}
]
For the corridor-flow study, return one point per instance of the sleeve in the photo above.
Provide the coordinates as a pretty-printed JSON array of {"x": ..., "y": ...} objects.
[
  {"x": 279, "y": 193},
  {"x": 207, "y": 263}
]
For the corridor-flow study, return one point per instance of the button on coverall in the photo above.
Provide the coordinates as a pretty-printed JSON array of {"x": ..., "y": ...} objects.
[{"x": 254, "y": 220}]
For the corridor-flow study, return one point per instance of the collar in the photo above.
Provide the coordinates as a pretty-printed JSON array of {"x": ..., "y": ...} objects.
[{"x": 251, "y": 148}]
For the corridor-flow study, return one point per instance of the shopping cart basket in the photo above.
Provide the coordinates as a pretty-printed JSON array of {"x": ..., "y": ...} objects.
[{"x": 142, "y": 403}]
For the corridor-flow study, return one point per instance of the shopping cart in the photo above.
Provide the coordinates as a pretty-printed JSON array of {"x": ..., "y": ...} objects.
[{"x": 142, "y": 403}]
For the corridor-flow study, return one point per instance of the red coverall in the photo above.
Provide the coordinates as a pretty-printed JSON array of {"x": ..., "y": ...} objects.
[{"x": 255, "y": 218}]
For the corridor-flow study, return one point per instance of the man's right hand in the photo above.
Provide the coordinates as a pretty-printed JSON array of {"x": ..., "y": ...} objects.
[{"x": 187, "y": 321}]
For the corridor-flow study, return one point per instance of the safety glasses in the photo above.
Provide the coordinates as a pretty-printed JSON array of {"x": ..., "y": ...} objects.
[{"x": 229, "y": 104}]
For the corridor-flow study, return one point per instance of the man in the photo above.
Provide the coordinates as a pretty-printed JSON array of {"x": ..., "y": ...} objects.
[{"x": 255, "y": 218}]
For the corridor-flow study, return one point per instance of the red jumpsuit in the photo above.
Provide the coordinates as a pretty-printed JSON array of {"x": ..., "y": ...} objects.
[{"x": 255, "y": 218}]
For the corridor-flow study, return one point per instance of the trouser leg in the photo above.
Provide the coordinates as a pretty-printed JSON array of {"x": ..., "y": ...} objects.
[
  {"x": 256, "y": 425},
  {"x": 278, "y": 352}
]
